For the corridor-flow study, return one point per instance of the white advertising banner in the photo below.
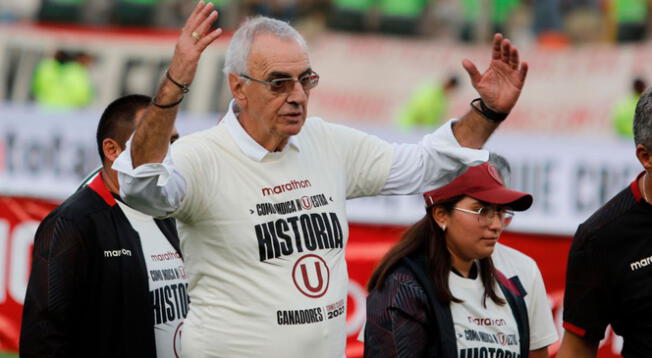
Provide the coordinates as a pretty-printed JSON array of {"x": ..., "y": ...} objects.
[
  {"x": 569, "y": 178},
  {"x": 47, "y": 155}
]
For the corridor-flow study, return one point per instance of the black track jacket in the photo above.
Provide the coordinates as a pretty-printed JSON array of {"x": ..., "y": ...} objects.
[{"x": 88, "y": 292}]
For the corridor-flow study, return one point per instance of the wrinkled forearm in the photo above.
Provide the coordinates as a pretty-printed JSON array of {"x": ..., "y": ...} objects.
[
  {"x": 473, "y": 131},
  {"x": 151, "y": 139}
]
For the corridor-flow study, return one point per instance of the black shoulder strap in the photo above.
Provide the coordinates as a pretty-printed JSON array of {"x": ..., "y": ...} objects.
[
  {"x": 168, "y": 227},
  {"x": 441, "y": 320},
  {"x": 514, "y": 293}
]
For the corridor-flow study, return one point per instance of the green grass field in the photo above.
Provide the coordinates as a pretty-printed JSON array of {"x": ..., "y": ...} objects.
[{"x": 8, "y": 355}]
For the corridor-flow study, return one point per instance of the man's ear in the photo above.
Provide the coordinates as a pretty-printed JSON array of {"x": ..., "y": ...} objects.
[
  {"x": 111, "y": 149},
  {"x": 644, "y": 156},
  {"x": 236, "y": 84}
]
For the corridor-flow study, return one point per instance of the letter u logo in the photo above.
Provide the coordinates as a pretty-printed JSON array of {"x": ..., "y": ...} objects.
[
  {"x": 305, "y": 277},
  {"x": 306, "y": 280}
]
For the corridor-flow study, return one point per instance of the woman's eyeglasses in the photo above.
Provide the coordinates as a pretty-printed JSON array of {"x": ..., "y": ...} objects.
[{"x": 486, "y": 215}]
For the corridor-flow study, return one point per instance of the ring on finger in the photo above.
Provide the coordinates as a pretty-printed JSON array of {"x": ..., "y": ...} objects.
[{"x": 196, "y": 35}]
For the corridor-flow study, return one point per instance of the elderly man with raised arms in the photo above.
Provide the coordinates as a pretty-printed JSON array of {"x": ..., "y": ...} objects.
[{"x": 260, "y": 197}]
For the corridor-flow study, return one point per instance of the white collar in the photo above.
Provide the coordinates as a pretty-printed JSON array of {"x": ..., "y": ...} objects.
[{"x": 248, "y": 145}]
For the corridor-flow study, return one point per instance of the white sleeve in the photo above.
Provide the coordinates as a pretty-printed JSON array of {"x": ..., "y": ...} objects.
[
  {"x": 542, "y": 327},
  {"x": 365, "y": 159},
  {"x": 431, "y": 163},
  {"x": 156, "y": 189}
]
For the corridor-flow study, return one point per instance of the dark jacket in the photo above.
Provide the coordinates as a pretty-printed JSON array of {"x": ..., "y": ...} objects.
[
  {"x": 413, "y": 300},
  {"x": 88, "y": 292}
]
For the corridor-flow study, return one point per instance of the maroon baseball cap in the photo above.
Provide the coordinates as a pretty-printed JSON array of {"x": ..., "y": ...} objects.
[{"x": 482, "y": 183}]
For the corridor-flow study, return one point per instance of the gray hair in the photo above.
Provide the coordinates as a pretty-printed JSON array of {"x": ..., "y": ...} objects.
[
  {"x": 502, "y": 166},
  {"x": 238, "y": 51},
  {"x": 643, "y": 120}
]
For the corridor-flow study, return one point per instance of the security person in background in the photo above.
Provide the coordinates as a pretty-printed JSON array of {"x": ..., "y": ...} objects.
[
  {"x": 428, "y": 106},
  {"x": 623, "y": 114},
  {"x": 106, "y": 280},
  {"x": 63, "y": 81}
]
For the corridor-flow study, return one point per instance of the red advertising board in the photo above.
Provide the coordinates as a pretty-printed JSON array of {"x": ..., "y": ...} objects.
[{"x": 19, "y": 219}]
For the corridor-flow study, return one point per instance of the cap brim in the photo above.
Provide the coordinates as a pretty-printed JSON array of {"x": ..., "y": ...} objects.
[{"x": 516, "y": 200}]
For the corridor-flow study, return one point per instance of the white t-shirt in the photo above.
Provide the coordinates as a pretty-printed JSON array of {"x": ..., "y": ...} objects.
[
  {"x": 227, "y": 190},
  {"x": 489, "y": 331},
  {"x": 263, "y": 238},
  {"x": 167, "y": 282},
  {"x": 514, "y": 263}
]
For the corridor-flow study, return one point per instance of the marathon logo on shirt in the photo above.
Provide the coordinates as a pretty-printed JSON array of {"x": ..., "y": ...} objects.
[
  {"x": 640, "y": 263},
  {"x": 117, "y": 253},
  {"x": 306, "y": 232},
  {"x": 292, "y": 185},
  {"x": 170, "y": 255},
  {"x": 291, "y": 206},
  {"x": 487, "y": 352},
  {"x": 486, "y": 321},
  {"x": 170, "y": 302}
]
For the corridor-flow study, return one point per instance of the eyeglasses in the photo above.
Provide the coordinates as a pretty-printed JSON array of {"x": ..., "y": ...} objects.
[
  {"x": 486, "y": 215},
  {"x": 285, "y": 85}
]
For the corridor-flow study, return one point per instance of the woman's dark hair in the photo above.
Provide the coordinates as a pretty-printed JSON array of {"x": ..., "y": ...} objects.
[{"x": 427, "y": 237}]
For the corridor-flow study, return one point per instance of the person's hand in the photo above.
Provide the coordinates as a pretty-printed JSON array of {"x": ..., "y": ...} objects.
[
  {"x": 194, "y": 39},
  {"x": 501, "y": 84}
]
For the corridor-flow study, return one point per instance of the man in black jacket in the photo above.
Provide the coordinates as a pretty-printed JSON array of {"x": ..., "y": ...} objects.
[{"x": 106, "y": 280}]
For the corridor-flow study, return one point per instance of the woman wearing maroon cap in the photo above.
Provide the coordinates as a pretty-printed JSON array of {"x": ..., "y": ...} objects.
[{"x": 436, "y": 293}]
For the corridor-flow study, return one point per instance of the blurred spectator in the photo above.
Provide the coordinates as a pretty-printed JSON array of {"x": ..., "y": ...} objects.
[
  {"x": 285, "y": 10},
  {"x": 12, "y": 10},
  {"x": 630, "y": 17},
  {"x": 547, "y": 16},
  {"x": 350, "y": 15},
  {"x": 230, "y": 13},
  {"x": 63, "y": 81},
  {"x": 623, "y": 114},
  {"x": 428, "y": 105},
  {"x": 139, "y": 13},
  {"x": 584, "y": 20},
  {"x": 499, "y": 15},
  {"x": 501, "y": 10},
  {"x": 470, "y": 18},
  {"x": 61, "y": 10},
  {"x": 401, "y": 17}
]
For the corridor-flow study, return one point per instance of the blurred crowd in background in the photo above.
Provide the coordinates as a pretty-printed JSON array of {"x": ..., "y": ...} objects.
[
  {"x": 549, "y": 21},
  {"x": 61, "y": 78}
]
